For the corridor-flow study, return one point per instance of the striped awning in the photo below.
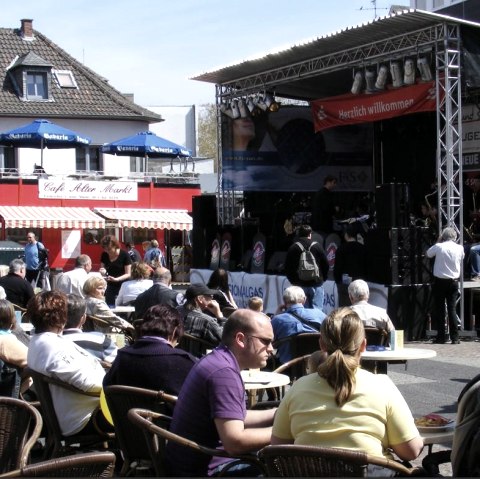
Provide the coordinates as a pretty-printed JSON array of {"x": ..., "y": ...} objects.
[
  {"x": 49, "y": 217},
  {"x": 143, "y": 218}
]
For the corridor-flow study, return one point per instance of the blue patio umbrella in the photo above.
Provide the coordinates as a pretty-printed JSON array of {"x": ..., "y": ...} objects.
[
  {"x": 43, "y": 134},
  {"x": 146, "y": 144}
]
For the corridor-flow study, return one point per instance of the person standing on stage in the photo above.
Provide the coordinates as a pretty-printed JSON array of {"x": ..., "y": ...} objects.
[
  {"x": 313, "y": 288},
  {"x": 323, "y": 207},
  {"x": 446, "y": 271},
  {"x": 35, "y": 257}
]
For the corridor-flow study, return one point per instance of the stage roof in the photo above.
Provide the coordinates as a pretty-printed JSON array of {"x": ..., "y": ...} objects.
[{"x": 293, "y": 73}]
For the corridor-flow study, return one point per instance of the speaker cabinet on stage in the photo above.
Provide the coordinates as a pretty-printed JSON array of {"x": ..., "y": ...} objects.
[
  {"x": 408, "y": 308},
  {"x": 392, "y": 205},
  {"x": 396, "y": 256},
  {"x": 204, "y": 212}
]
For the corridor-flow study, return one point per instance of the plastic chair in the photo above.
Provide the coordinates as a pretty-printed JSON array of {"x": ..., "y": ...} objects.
[
  {"x": 56, "y": 443},
  {"x": 120, "y": 400},
  {"x": 288, "y": 460},
  {"x": 91, "y": 464},
  {"x": 157, "y": 436},
  {"x": 20, "y": 426}
]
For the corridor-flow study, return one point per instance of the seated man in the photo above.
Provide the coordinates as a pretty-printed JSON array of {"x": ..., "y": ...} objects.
[
  {"x": 17, "y": 289},
  {"x": 160, "y": 293},
  {"x": 371, "y": 315},
  {"x": 71, "y": 282},
  {"x": 153, "y": 361},
  {"x": 211, "y": 404},
  {"x": 294, "y": 319},
  {"x": 202, "y": 315},
  {"x": 96, "y": 343},
  {"x": 51, "y": 354}
]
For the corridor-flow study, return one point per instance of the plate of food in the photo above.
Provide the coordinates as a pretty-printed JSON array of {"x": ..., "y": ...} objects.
[{"x": 434, "y": 423}]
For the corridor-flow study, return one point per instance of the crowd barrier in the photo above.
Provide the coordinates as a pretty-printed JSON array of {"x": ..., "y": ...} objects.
[{"x": 270, "y": 288}]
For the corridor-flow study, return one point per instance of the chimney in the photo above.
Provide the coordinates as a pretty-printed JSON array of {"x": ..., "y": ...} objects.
[{"x": 26, "y": 29}]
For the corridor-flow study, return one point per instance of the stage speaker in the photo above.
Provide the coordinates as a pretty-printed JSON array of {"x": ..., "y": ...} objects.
[
  {"x": 392, "y": 204},
  {"x": 408, "y": 308},
  {"x": 204, "y": 212}
]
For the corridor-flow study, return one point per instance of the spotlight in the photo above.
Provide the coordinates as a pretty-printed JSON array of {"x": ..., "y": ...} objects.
[
  {"x": 244, "y": 113},
  {"x": 235, "y": 109},
  {"x": 252, "y": 108},
  {"x": 381, "y": 78},
  {"x": 370, "y": 80},
  {"x": 409, "y": 72},
  {"x": 396, "y": 72},
  {"x": 424, "y": 68},
  {"x": 231, "y": 110},
  {"x": 357, "y": 83},
  {"x": 261, "y": 104},
  {"x": 272, "y": 105}
]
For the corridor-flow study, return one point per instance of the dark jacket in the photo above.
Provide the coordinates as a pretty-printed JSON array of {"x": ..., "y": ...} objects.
[
  {"x": 151, "y": 364},
  {"x": 17, "y": 289},
  {"x": 157, "y": 294},
  {"x": 293, "y": 257}
]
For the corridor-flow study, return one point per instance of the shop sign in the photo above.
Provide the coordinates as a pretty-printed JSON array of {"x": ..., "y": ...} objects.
[{"x": 87, "y": 190}]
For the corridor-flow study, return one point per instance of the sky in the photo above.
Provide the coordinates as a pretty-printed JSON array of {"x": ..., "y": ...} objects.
[{"x": 152, "y": 48}]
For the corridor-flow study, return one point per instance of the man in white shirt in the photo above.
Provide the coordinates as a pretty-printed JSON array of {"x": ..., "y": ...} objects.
[
  {"x": 72, "y": 281},
  {"x": 372, "y": 316},
  {"x": 446, "y": 271}
]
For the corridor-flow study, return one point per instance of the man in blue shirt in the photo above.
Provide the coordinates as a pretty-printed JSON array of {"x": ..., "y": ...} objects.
[
  {"x": 293, "y": 318},
  {"x": 33, "y": 257}
]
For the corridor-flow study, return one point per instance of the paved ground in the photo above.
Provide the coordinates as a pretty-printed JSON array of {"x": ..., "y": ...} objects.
[{"x": 433, "y": 385}]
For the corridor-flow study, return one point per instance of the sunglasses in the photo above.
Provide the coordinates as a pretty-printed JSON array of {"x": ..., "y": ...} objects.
[{"x": 265, "y": 341}]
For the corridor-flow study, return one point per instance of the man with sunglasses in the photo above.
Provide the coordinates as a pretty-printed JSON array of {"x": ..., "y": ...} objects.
[
  {"x": 211, "y": 405},
  {"x": 202, "y": 315}
]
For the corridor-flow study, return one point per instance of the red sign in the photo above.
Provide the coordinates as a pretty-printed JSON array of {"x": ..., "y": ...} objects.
[{"x": 349, "y": 109}]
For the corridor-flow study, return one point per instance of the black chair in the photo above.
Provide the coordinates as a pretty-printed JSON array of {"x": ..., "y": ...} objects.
[
  {"x": 20, "y": 427},
  {"x": 90, "y": 464},
  {"x": 309, "y": 461},
  {"x": 10, "y": 380},
  {"x": 300, "y": 345},
  {"x": 156, "y": 434},
  {"x": 194, "y": 345},
  {"x": 56, "y": 443},
  {"x": 376, "y": 337},
  {"x": 120, "y": 400}
]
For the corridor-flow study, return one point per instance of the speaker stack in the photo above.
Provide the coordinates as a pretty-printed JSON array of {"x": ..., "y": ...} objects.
[
  {"x": 204, "y": 212},
  {"x": 396, "y": 256}
]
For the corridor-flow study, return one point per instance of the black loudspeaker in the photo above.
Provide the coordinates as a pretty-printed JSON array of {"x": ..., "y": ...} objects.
[
  {"x": 204, "y": 212},
  {"x": 408, "y": 308},
  {"x": 396, "y": 256},
  {"x": 392, "y": 205}
]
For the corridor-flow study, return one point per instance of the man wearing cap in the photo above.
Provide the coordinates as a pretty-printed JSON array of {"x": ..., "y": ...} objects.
[{"x": 202, "y": 314}]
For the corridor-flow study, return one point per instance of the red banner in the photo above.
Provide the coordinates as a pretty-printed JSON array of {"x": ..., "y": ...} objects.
[{"x": 350, "y": 109}]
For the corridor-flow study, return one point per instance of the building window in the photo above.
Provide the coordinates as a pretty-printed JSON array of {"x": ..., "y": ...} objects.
[
  {"x": 94, "y": 163},
  {"x": 65, "y": 78},
  {"x": 37, "y": 86}
]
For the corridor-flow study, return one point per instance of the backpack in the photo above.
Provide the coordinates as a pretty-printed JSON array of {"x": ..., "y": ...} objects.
[{"x": 307, "y": 266}]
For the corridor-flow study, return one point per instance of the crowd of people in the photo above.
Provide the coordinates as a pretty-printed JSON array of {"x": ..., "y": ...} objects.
[{"x": 337, "y": 404}]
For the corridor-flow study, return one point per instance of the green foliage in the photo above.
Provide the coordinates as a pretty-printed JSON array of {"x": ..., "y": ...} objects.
[{"x": 207, "y": 132}]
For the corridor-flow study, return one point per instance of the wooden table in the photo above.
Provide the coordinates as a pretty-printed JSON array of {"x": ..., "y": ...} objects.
[
  {"x": 401, "y": 354},
  {"x": 254, "y": 379}
]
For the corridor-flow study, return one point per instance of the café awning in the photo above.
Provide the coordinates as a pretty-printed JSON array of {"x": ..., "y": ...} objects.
[
  {"x": 49, "y": 217},
  {"x": 148, "y": 218}
]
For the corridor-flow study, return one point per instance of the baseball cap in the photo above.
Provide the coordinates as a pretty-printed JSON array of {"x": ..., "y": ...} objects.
[{"x": 198, "y": 289}]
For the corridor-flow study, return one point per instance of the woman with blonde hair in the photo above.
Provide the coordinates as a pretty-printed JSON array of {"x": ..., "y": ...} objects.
[
  {"x": 139, "y": 283},
  {"x": 341, "y": 406},
  {"x": 94, "y": 291}
]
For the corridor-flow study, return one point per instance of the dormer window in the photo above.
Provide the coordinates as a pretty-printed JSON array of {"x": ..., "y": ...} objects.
[
  {"x": 65, "y": 78},
  {"x": 31, "y": 77},
  {"x": 37, "y": 86}
]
